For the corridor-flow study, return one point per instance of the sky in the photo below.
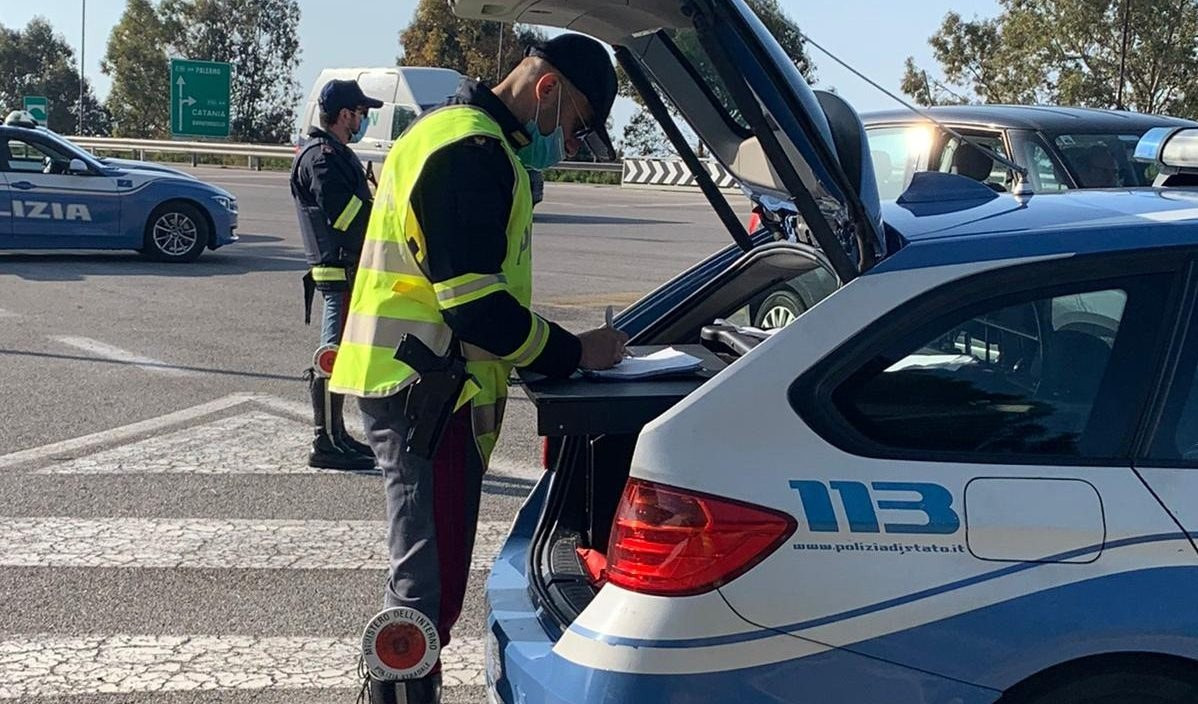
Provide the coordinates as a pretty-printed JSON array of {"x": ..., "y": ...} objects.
[{"x": 874, "y": 36}]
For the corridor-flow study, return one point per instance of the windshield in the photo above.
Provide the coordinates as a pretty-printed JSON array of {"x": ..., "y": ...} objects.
[{"x": 1104, "y": 160}]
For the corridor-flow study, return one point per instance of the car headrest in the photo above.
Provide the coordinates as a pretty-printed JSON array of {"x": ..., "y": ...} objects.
[{"x": 973, "y": 163}]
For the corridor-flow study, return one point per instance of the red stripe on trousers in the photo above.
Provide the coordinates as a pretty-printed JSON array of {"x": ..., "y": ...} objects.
[{"x": 449, "y": 500}]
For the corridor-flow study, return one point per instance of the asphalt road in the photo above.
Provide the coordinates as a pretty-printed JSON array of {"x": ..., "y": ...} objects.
[{"x": 160, "y": 537}]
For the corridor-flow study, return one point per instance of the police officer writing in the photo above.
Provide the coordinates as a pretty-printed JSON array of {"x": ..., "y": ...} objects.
[
  {"x": 447, "y": 264},
  {"x": 333, "y": 201}
]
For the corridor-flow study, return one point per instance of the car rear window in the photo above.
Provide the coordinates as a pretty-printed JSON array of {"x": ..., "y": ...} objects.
[{"x": 1104, "y": 160}]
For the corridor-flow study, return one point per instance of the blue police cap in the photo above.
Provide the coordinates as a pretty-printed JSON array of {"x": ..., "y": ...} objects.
[{"x": 338, "y": 94}]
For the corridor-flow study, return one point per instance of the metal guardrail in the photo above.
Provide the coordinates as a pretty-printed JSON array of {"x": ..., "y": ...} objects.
[{"x": 255, "y": 153}]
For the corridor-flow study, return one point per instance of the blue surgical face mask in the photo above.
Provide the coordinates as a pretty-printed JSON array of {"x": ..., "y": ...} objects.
[
  {"x": 363, "y": 125},
  {"x": 544, "y": 150}
]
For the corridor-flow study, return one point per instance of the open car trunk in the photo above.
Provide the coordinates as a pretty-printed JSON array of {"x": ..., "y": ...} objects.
[
  {"x": 570, "y": 547},
  {"x": 803, "y": 159}
]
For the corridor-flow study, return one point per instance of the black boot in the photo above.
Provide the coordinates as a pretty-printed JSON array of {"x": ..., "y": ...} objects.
[
  {"x": 426, "y": 690},
  {"x": 340, "y": 435},
  {"x": 326, "y": 453}
]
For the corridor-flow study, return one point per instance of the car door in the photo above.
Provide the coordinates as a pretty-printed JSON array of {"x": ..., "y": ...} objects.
[
  {"x": 5, "y": 207},
  {"x": 960, "y": 470},
  {"x": 54, "y": 206}
]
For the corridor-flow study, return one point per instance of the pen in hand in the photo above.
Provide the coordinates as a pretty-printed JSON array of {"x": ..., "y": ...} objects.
[{"x": 607, "y": 320}]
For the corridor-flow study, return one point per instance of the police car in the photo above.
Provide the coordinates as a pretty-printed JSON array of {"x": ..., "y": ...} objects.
[
  {"x": 54, "y": 195},
  {"x": 967, "y": 475}
]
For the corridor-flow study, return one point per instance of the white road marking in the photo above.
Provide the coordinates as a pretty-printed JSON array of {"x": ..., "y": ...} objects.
[
  {"x": 107, "y": 351},
  {"x": 255, "y": 442},
  {"x": 211, "y": 543},
  {"x": 54, "y": 665},
  {"x": 75, "y": 446}
]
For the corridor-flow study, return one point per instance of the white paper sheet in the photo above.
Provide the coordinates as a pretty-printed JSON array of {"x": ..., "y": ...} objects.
[{"x": 667, "y": 361}]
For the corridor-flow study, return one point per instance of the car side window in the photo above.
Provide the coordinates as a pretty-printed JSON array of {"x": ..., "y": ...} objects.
[
  {"x": 1176, "y": 438},
  {"x": 1017, "y": 377},
  {"x": 897, "y": 153},
  {"x": 1048, "y": 175},
  {"x": 400, "y": 119},
  {"x": 958, "y": 157},
  {"x": 27, "y": 156}
]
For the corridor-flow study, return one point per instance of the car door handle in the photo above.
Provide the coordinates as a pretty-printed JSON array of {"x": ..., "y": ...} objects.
[{"x": 23, "y": 185}]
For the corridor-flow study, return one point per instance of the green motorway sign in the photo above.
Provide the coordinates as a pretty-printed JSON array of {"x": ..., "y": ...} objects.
[
  {"x": 199, "y": 98},
  {"x": 39, "y": 107}
]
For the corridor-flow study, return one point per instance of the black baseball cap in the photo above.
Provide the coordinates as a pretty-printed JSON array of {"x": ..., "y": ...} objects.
[
  {"x": 338, "y": 94},
  {"x": 586, "y": 64}
]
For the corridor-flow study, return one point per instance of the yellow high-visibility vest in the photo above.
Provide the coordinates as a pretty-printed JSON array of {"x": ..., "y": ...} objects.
[{"x": 392, "y": 294}]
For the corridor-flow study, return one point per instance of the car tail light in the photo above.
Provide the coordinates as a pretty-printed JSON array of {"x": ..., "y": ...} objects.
[
  {"x": 545, "y": 454},
  {"x": 675, "y": 542},
  {"x": 754, "y": 222}
]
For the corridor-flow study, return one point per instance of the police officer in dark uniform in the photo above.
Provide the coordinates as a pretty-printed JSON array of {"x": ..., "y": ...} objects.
[{"x": 333, "y": 201}]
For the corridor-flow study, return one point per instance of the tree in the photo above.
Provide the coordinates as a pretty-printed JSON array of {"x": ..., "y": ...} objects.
[
  {"x": 437, "y": 37},
  {"x": 37, "y": 61},
  {"x": 643, "y": 137},
  {"x": 1070, "y": 52},
  {"x": 260, "y": 39},
  {"x": 136, "y": 60},
  {"x": 642, "y": 131}
]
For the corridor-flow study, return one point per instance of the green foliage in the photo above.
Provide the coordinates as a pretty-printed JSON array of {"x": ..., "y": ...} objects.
[
  {"x": 136, "y": 60},
  {"x": 260, "y": 39},
  {"x": 38, "y": 61},
  {"x": 644, "y": 137},
  {"x": 608, "y": 178},
  {"x": 437, "y": 37},
  {"x": 1069, "y": 52}
]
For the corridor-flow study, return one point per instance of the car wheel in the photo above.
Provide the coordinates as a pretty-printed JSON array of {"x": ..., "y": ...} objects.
[
  {"x": 175, "y": 232},
  {"x": 1151, "y": 683},
  {"x": 778, "y": 309}
]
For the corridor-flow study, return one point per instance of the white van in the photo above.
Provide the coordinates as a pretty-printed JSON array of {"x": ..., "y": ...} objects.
[{"x": 406, "y": 91}]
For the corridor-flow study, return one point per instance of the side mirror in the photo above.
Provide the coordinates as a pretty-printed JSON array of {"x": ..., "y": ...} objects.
[{"x": 78, "y": 166}]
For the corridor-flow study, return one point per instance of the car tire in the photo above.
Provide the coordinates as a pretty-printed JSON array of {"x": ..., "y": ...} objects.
[
  {"x": 175, "y": 232},
  {"x": 778, "y": 309},
  {"x": 1152, "y": 682}
]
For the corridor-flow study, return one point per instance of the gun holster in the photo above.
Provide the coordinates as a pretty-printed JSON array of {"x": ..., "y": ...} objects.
[{"x": 432, "y": 398}]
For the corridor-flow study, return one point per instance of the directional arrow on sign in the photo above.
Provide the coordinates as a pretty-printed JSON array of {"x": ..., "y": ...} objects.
[{"x": 181, "y": 83}]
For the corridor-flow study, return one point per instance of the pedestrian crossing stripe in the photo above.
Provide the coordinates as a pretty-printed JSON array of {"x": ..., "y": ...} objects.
[
  {"x": 202, "y": 543},
  {"x": 50, "y": 665}
]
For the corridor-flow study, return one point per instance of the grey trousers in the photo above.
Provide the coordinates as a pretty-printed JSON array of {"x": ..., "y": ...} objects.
[{"x": 432, "y": 511}]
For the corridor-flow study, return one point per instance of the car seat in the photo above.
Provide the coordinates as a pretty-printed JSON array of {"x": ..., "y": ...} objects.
[{"x": 1074, "y": 364}]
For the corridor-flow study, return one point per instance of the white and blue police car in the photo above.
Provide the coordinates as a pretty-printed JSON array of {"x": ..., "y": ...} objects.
[
  {"x": 967, "y": 475},
  {"x": 54, "y": 195}
]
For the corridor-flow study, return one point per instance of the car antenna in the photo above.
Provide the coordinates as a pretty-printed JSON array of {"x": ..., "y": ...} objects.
[{"x": 1022, "y": 186}]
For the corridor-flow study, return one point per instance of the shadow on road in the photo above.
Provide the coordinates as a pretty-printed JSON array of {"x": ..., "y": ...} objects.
[
  {"x": 573, "y": 219},
  {"x": 253, "y": 253},
  {"x": 174, "y": 367}
]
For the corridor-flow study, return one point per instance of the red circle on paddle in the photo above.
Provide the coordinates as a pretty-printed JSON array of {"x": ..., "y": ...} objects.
[
  {"x": 400, "y": 646},
  {"x": 325, "y": 359}
]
